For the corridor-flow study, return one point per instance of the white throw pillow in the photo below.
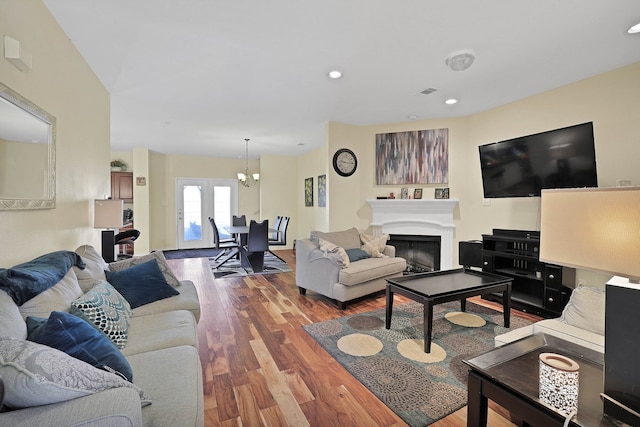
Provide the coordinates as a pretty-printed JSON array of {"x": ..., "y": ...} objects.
[
  {"x": 11, "y": 322},
  {"x": 585, "y": 309},
  {"x": 374, "y": 245},
  {"x": 94, "y": 269},
  {"x": 338, "y": 254},
  {"x": 35, "y": 375}
]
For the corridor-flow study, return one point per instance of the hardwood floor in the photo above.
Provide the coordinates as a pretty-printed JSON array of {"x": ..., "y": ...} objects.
[{"x": 261, "y": 368}]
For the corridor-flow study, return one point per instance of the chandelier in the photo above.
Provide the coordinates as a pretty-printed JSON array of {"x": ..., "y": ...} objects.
[{"x": 247, "y": 179}]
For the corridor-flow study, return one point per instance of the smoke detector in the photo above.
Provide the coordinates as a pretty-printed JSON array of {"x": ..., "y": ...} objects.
[{"x": 460, "y": 60}]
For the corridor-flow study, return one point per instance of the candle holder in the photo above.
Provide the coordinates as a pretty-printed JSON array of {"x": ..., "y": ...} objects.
[{"x": 559, "y": 378}]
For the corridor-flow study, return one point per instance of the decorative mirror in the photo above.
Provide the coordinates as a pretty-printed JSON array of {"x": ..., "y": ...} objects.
[{"x": 27, "y": 154}]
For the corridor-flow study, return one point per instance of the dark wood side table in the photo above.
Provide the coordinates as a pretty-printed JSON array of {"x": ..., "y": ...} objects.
[
  {"x": 509, "y": 375},
  {"x": 438, "y": 287}
]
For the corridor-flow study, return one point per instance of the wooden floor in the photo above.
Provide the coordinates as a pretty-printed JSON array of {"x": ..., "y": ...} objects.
[{"x": 261, "y": 368}]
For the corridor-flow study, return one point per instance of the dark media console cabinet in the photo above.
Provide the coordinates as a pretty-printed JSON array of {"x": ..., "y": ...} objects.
[{"x": 537, "y": 287}]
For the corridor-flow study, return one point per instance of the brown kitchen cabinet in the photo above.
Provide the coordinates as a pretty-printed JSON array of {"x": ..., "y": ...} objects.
[{"x": 122, "y": 186}]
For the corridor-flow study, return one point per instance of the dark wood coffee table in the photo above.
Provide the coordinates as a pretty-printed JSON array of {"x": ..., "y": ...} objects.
[
  {"x": 509, "y": 376},
  {"x": 438, "y": 287}
]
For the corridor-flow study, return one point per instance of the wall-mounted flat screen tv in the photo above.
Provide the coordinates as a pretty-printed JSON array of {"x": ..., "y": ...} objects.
[{"x": 521, "y": 167}]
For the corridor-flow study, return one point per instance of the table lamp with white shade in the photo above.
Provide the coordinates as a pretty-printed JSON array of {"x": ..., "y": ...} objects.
[
  {"x": 598, "y": 229},
  {"x": 108, "y": 214}
]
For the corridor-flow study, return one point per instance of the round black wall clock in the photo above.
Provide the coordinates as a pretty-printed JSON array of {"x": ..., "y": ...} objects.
[{"x": 345, "y": 162}]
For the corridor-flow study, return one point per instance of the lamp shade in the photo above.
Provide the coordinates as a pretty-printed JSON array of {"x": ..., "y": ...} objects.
[
  {"x": 108, "y": 213},
  {"x": 593, "y": 229}
]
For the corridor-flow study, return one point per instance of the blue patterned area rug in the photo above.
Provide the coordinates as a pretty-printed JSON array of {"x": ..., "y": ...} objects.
[
  {"x": 420, "y": 388},
  {"x": 232, "y": 268}
]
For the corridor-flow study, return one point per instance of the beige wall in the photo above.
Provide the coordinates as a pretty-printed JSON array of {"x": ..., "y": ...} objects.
[
  {"x": 164, "y": 170},
  {"x": 278, "y": 192},
  {"x": 62, "y": 84},
  {"x": 311, "y": 165},
  {"x": 141, "y": 198},
  {"x": 609, "y": 100}
]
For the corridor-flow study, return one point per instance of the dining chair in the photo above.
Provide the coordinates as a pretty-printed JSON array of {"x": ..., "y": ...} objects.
[
  {"x": 241, "y": 221},
  {"x": 218, "y": 243},
  {"x": 276, "y": 225},
  {"x": 282, "y": 235},
  {"x": 257, "y": 244}
]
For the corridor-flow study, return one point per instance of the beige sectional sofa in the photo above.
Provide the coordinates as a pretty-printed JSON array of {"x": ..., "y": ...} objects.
[
  {"x": 46, "y": 386},
  {"x": 581, "y": 322},
  {"x": 345, "y": 265}
]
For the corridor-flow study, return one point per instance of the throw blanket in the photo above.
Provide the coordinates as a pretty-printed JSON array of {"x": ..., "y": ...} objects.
[{"x": 24, "y": 281}]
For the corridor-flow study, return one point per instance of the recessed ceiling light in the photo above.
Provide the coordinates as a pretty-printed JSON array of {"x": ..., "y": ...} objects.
[
  {"x": 635, "y": 29},
  {"x": 412, "y": 117},
  {"x": 451, "y": 101},
  {"x": 335, "y": 74}
]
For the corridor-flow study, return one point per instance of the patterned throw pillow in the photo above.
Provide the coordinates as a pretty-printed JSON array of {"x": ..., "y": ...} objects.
[
  {"x": 374, "y": 245},
  {"x": 36, "y": 374},
  {"x": 338, "y": 254},
  {"x": 107, "y": 309},
  {"x": 158, "y": 256}
]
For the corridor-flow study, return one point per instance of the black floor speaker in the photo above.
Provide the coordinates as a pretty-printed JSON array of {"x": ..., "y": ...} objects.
[
  {"x": 622, "y": 345},
  {"x": 470, "y": 253}
]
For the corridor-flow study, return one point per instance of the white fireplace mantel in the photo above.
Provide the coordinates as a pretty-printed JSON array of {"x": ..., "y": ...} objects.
[{"x": 426, "y": 217}]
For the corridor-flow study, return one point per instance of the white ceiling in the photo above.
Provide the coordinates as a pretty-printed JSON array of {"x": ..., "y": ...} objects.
[{"x": 196, "y": 77}]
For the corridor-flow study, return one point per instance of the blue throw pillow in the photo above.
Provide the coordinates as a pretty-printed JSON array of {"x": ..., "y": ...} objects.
[
  {"x": 72, "y": 335},
  {"x": 356, "y": 254},
  {"x": 141, "y": 284}
]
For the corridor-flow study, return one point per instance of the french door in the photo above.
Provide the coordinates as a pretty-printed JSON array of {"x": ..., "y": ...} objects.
[{"x": 197, "y": 199}]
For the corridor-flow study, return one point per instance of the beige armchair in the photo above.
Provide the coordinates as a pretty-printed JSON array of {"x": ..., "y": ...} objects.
[{"x": 324, "y": 272}]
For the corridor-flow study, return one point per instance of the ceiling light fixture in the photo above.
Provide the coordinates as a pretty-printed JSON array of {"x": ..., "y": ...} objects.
[
  {"x": 451, "y": 101},
  {"x": 335, "y": 74},
  {"x": 635, "y": 29},
  {"x": 247, "y": 179},
  {"x": 460, "y": 60}
]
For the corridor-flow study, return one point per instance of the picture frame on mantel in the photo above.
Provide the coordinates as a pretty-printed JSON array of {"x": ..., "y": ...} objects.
[
  {"x": 417, "y": 193},
  {"x": 442, "y": 193}
]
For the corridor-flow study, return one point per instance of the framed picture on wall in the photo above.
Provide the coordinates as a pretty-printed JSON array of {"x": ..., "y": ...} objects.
[
  {"x": 412, "y": 157},
  {"x": 308, "y": 191},
  {"x": 417, "y": 193},
  {"x": 322, "y": 191}
]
